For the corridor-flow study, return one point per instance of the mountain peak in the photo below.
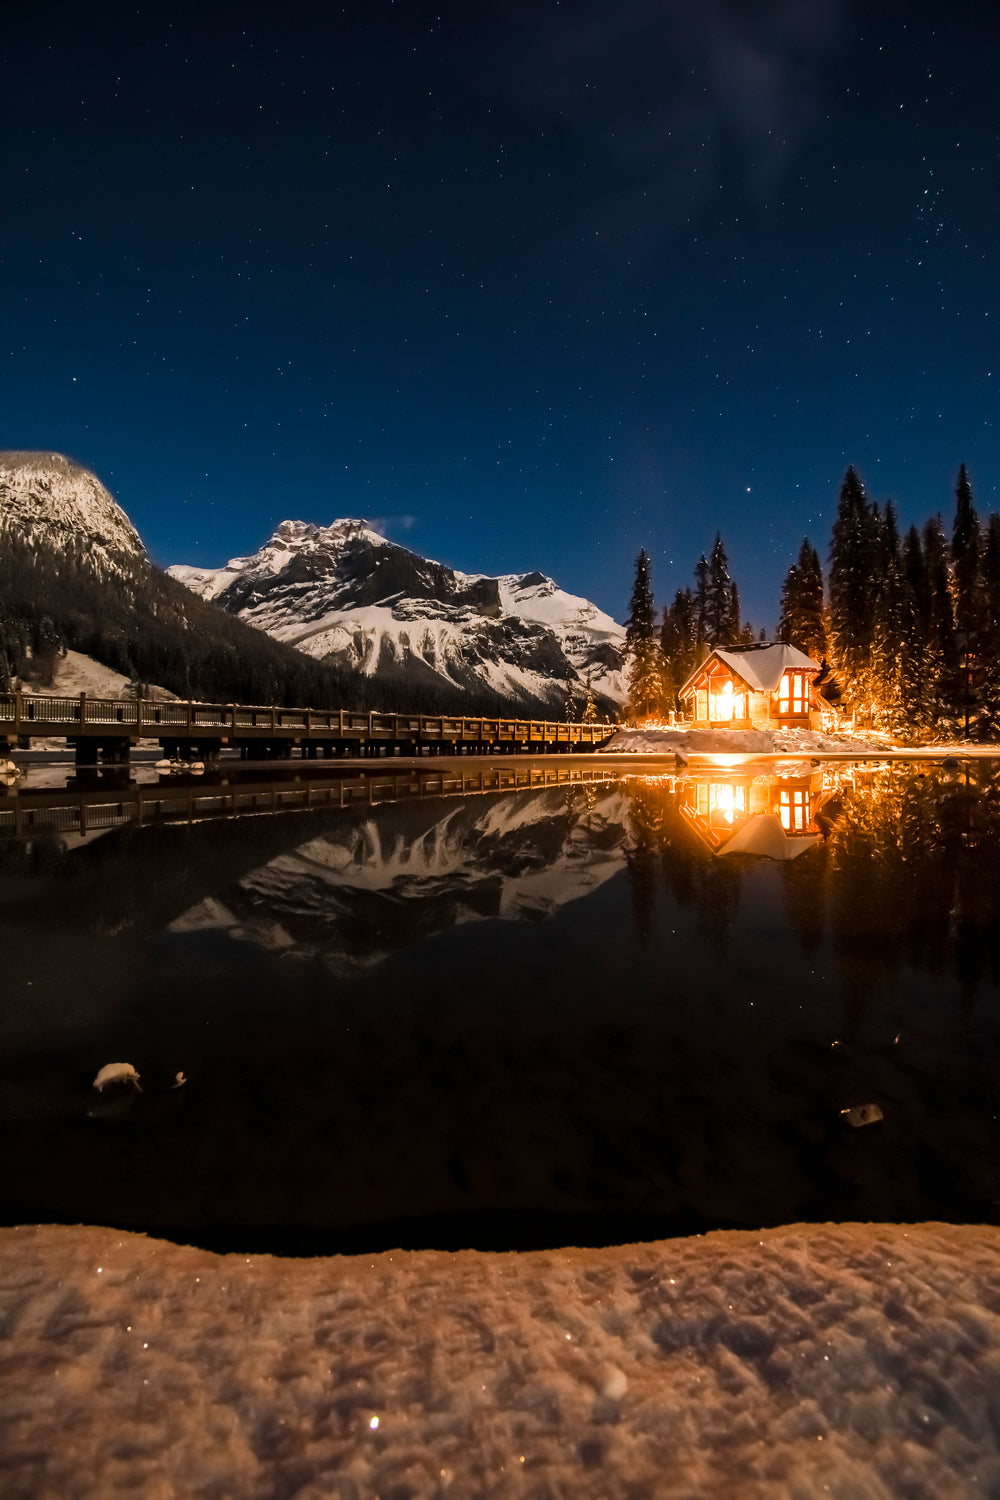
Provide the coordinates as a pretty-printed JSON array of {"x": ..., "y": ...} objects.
[
  {"x": 345, "y": 594},
  {"x": 304, "y": 533},
  {"x": 49, "y": 496}
]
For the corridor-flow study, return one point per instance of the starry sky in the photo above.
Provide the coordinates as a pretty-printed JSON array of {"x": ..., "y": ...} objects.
[{"x": 528, "y": 283}]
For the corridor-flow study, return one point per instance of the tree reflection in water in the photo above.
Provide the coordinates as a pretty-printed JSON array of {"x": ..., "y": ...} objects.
[{"x": 894, "y": 866}]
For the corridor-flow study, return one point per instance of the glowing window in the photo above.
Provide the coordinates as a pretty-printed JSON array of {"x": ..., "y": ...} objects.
[
  {"x": 728, "y": 802},
  {"x": 722, "y": 702},
  {"x": 792, "y": 694},
  {"x": 793, "y": 809}
]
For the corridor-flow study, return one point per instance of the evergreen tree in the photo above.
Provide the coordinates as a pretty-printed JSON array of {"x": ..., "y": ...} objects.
[
  {"x": 915, "y": 688},
  {"x": 988, "y": 721},
  {"x": 643, "y": 660},
  {"x": 701, "y": 635},
  {"x": 569, "y": 712},
  {"x": 678, "y": 643},
  {"x": 966, "y": 560},
  {"x": 942, "y": 663},
  {"x": 968, "y": 593},
  {"x": 854, "y": 560},
  {"x": 589, "y": 715},
  {"x": 722, "y": 601},
  {"x": 890, "y": 612},
  {"x": 802, "y": 622}
]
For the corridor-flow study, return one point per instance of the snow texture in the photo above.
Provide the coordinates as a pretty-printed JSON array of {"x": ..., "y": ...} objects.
[
  {"x": 48, "y": 498},
  {"x": 345, "y": 593},
  {"x": 685, "y": 742},
  {"x": 853, "y": 1361},
  {"x": 76, "y": 673}
]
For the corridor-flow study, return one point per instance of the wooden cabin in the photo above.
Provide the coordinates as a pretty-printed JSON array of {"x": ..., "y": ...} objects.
[{"x": 755, "y": 687}]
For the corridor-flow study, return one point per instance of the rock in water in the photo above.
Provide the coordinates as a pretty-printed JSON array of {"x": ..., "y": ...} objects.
[
  {"x": 116, "y": 1073},
  {"x": 862, "y": 1114}
]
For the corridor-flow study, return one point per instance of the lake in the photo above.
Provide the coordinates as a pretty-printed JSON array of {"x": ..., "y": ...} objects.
[{"x": 500, "y": 1006}]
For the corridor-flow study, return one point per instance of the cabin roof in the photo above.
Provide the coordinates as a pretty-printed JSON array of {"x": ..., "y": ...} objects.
[
  {"x": 760, "y": 667},
  {"x": 765, "y": 835}
]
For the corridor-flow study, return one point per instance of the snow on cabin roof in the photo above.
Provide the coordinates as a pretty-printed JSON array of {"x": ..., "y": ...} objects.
[{"x": 760, "y": 667}]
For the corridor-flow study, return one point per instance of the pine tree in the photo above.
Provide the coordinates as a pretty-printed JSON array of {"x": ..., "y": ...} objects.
[
  {"x": 722, "y": 601},
  {"x": 643, "y": 661},
  {"x": 589, "y": 715},
  {"x": 966, "y": 544},
  {"x": 853, "y": 585},
  {"x": 889, "y": 617},
  {"x": 916, "y": 689},
  {"x": 988, "y": 718},
  {"x": 678, "y": 644},
  {"x": 569, "y": 712},
  {"x": 701, "y": 635},
  {"x": 802, "y": 622},
  {"x": 968, "y": 592},
  {"x": 943, "y": 664}
]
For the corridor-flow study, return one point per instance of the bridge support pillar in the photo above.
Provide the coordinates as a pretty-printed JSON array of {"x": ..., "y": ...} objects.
[{"x": 85, "y": 752}]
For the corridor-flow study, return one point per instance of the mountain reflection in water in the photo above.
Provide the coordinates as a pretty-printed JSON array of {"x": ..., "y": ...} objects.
[{"x": 590, "y": 1012}]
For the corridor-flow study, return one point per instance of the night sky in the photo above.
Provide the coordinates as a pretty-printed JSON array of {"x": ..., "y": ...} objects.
[{"x": 526, "y": 284}]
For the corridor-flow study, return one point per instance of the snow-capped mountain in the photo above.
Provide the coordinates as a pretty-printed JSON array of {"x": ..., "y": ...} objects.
[
  {"x": 380, "y": 881},
  {"x": 346, "y": 594},
  {"x": 55, "y": 502}
]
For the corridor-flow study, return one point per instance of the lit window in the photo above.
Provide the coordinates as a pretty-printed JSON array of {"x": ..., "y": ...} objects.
[
  {"x": 793, "y": 809},
  {"x": 792, "y": 694}
]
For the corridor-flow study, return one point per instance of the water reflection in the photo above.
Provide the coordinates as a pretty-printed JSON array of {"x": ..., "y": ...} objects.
[
  {"x": 900, "y": 868},
  {"x": 587, "y": 1010}
]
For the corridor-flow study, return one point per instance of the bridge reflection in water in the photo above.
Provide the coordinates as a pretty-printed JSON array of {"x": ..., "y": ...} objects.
[{"x": 83, "y": 806}]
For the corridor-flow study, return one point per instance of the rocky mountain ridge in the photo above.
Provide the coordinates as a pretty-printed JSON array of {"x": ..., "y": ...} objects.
[
  {"x": 347, "y": 595},
  {"x": 53, "y": 501}
]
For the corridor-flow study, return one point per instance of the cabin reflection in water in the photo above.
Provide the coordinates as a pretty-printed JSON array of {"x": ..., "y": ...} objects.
[{"x": 754, "y": 814}]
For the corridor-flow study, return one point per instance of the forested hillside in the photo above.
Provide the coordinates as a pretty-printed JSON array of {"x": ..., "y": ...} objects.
[{"x": 154, "y": 630}]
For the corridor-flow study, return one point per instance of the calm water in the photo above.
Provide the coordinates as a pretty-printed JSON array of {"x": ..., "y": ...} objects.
[{"x": 445, "y": 1013}]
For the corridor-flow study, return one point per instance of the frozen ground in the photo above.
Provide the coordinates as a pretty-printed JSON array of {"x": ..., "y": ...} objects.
[
  {"x": 738, "y": 741},
  {"x": 76, "y": 673},
  {"x": 841, "y": 1360}
]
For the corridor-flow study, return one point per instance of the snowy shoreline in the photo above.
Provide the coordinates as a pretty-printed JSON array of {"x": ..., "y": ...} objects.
[
  {"x": 766, "y": 743},
  {"x": 848, "y": 1359}
]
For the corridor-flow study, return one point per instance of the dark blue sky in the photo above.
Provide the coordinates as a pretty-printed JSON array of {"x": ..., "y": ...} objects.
[{"x": 528, "y": 284}]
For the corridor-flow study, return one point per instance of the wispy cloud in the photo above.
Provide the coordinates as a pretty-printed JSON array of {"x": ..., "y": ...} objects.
[
  {"x": 392, "y": 525},
  {"x": 674, "y": 97}
]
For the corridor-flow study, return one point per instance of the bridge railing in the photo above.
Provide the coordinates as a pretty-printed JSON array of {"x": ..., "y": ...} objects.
[{"x": 28, "y": 714}]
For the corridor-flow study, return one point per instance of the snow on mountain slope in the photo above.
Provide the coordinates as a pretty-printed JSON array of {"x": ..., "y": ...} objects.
[
  {"x": 76, "y": 673},
  {"x": 57, "y": 502},
  {"x": 343, "y": 592}
]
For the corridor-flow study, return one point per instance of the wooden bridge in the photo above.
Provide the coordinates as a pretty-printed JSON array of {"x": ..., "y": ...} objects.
[{"x": 108, "y": 729}]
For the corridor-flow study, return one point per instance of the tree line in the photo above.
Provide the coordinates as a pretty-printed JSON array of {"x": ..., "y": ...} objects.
[
  {"x": 660, "y": 656},
  {"x": 906, "y": 628}
]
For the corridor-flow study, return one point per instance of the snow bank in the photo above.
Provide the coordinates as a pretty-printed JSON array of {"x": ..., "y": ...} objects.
[
  {"x": 736, "y": 742},
  {"x": 76, "y": 673},
  {"x": 850, "y": 1360}
]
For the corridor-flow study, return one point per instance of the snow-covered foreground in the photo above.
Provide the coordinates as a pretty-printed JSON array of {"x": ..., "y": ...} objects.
[
  {"x": 738, "y": 742},
  {"x": 842, "y": 1360}
]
